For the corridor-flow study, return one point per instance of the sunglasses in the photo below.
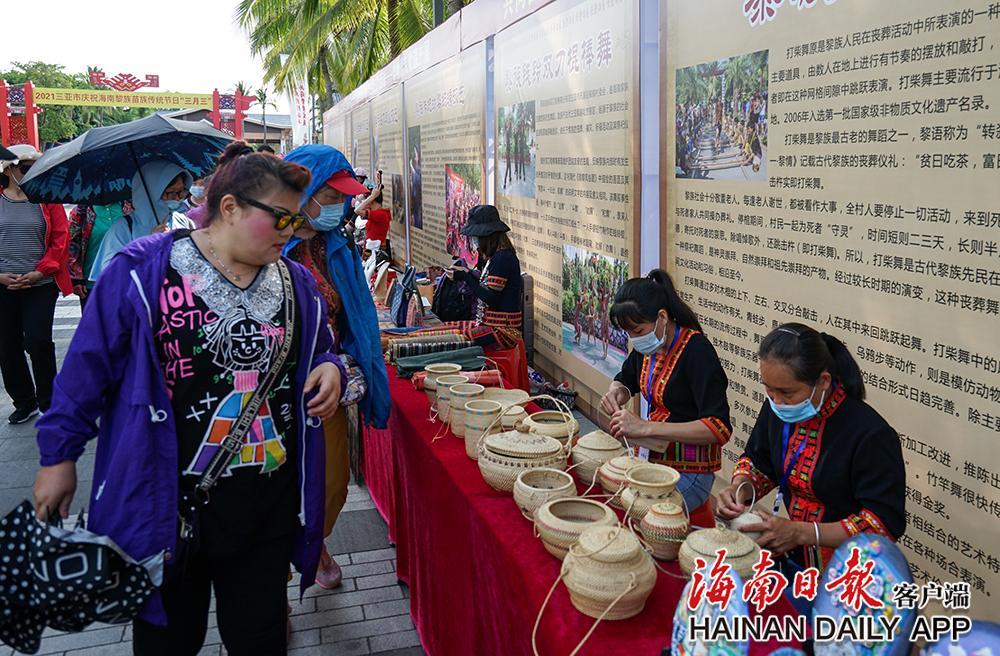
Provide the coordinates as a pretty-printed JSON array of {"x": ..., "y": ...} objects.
[{"x": 282, "y": 218}]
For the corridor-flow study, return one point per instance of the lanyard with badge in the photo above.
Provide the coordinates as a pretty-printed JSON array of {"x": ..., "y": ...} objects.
[
  {"x": 787, "y": 471},
  {"x": 643, "y": 451}
]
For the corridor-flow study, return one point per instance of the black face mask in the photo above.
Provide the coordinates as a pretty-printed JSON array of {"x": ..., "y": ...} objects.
[{"x": 4, "y": 180}]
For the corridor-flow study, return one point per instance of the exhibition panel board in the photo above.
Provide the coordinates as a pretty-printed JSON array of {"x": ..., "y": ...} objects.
[
  {"x": 566, "y": 174},
  {"x": 835, "y": 164}
]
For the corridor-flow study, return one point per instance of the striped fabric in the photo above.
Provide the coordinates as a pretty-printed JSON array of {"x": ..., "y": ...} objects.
[
  {"x": 22, "y": 237},
  {"x": 424, "y": 348}
]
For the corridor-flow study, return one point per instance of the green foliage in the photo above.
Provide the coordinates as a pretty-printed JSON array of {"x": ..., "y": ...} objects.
[
  {"x": 61, "y": 123},
  {"x": 334, "y": 45}
]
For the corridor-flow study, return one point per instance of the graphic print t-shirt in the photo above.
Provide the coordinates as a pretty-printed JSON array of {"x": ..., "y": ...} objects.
[{"x": 215, "y": 342}]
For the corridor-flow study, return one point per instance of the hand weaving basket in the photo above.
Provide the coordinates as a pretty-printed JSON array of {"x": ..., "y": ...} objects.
[
  {"x": 435, "y": 371},
  {"x": 537, "y": 486},
  {"x": 608, "y": 574},
  {"x": 559, "y": 522},
  {"x": 742, "y": 553},
  {"x": 612, "y": 476},
  {"x": 512, "y": 416},
  {"x": 503, "y": 456},
  {"x": 480, "y": 415},
  {"x": 460, "y": 395},
  {"x": 664, "y": 528},
  {"x": 593, "y": 450},
  {"x": 444, "y": 395},
  {"x": 555, "y": 424}
]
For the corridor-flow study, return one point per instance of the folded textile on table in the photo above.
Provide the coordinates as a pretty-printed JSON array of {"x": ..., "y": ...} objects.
[
  {"x": 488, "y": 378},
  {"x": 433, "y": 337},
  {"x": 409, "y": 349},
  {"x": 470, "y": 359}
]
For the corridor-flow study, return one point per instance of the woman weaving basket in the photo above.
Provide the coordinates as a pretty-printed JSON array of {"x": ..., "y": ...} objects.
[{"x": 499, "y": 289}]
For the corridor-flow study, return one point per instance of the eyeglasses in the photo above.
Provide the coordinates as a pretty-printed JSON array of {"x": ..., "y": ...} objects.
[
  {"x": 183, "y": 194},
  {"x": 282, "y": 218}
]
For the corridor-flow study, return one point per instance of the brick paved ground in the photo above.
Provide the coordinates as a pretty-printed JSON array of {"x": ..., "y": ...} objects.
[{"x": 370, "y": 614}]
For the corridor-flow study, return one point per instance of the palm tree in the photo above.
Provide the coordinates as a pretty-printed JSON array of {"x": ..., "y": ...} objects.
[
  {"x": 262, "y": 100},
  {"x": 332, "y": 44}
]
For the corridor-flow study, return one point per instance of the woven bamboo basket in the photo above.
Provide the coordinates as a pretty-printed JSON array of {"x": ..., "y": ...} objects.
[
  {"x": 435, "y": 371},
  {"x": 647, "y": 484},
  {"x": 664, "y": 528},
  {"x": 443, "y": 395},
  {"x": 537, "y": 486},
  {"x": 503, "y": 456},
  {"x": 460, "y": 395},
  {"x": 748, "y": 518},
  {"x": 506, "y": 397},
  {"x": 480, "y": 415},
  {"x": 741, "y": 552},
  {"x": 593, "y": 450},
  {"x": 608, "y": 574},
  {"x": 612, "y": 476},
  {"x": 555, "y": 424},
  {"x": 512, "y": 416},
  {"x": 559, "y": 522},
  {"x": 637, "y": 506}
]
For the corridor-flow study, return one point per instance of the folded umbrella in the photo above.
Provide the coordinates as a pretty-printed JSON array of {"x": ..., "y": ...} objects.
[
  {"x": 97, "y": 167},
  {"x": 65, "y": 579}
]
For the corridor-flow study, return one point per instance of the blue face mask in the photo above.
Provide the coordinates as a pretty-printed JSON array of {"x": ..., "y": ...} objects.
[
  {"x": 329, "y": 217},
  {"x": 649, "y": 343},
  {"x": 197, "y": 191},
  {"x": 799, "y": 412},
  {"x": 175, "y": 205}
]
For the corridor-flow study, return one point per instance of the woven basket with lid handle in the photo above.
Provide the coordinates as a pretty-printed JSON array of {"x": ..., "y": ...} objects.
[
  {"x": 593, "y": 450},
  {"x": 503, "y": 456},
  {"x": 741, "y": 552},
  {"x": 603, "y": 564}
]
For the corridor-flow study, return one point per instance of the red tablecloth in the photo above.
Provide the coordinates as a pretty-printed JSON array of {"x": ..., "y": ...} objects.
[{"x": 477, "y": 574}]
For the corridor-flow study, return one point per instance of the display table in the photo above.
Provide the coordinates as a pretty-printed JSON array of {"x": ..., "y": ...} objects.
[{"x": 477, "y": 574}]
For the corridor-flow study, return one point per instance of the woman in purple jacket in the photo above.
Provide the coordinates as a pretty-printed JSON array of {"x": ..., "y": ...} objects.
[{"x": 177, "y": 334}]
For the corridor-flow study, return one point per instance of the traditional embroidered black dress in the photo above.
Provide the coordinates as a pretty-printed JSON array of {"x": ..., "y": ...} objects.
[
  {"x": 686, "y": 384},
  {"x": 844, "y": 465},
  {"x": 500, "y": 292}
]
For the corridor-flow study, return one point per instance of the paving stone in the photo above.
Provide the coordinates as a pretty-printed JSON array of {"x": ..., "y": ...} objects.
[
  {"x": 115, "y": 649},
  {"x": 315, "y": 591},
  {"x": 357, "y": 647},
  {"x": 372, "y": 556},
  {"x": 328, "y": 617},
  {"x": 409, "y": 651},
  {"x": 367, "y": 628},
  {"x": 367, "y": 569},
  {"x": 393, "y": 641},
  {"x": 308, "y": 605},
  {"x": 211, "y": 650},
  {"x": 387, "y": 609},
  {"x": 376, "y": 581},
  {"x": 359, "y": 598},
  {"x": 69, "y": 641},
  {"x": 363, "y": 530},
  {"x": 304, "y": 638}
]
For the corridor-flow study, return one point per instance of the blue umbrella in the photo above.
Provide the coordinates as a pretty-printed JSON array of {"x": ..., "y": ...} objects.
[{"x": 97, "y": 167}]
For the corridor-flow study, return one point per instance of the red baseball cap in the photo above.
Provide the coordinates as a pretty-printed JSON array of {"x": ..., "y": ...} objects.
[{"x": 345, "y": 183}]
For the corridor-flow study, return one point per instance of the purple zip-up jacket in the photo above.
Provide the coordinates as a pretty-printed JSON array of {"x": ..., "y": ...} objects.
[{"x": 112, "y": 372}]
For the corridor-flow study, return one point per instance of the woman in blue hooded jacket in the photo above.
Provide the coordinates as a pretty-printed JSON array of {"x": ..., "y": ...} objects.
[
  {"x": 323, "y": 247},
  {"x": 179, "y": 332}
]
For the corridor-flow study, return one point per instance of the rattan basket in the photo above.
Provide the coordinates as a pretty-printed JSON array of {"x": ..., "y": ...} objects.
[
  {"x": 559, "y": 522},
  {"x": 503, "y": 456},
  {"x": 608, "y": 574},
  {"x": 612, "y": 476},
  {"x": 537, "y": 486},
  {"x": 554, "y": 424},
  {"x": 742, "y": 553},
  {"x": 593, "y": 450},
  {"x": 664, "y": 528}
]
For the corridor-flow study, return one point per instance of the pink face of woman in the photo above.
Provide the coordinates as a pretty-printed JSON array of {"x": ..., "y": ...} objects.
[{"x": 257, "y": 237}]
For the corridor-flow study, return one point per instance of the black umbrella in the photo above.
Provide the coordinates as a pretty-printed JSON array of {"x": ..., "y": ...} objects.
[
  {"x": 97, "y": 167},
  {"x": 50, "y": 576}
]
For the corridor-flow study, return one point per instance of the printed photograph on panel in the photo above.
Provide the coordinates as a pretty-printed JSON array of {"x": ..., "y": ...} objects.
[
  {"x": 416, "y": 182},
  {"x": 396, "y": 192},
  {"x": 463, "y": 190},
  {"x": 517, "y": 149},
  {"x": 589, "y": 284},
  {"x": 722, "y": 119}
]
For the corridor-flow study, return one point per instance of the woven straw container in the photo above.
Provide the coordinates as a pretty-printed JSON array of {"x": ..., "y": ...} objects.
[
  {"x": 608, "y": 563},
  {"x": 503, "y": 456},
  {"x": 559, "y": 522},
  {"x": 637, "y": 506},
  {"x": 512, "y": 416},
  {"x": 612, "y": 476},
  {"x": 536, "y": 486},
  {"x": 506, "y": 397},
  {"x": 741, "y": 552},
  {"x": 593, "y": 450},
  {"x": 460, "y": 395},
  {"x": 664, "y": 528},
  {"x": 443, "y": 396},
  {"x": 554, "y": 424},
  {"x": 479, "y": 416},
  {"x": 435, "y": 371}
]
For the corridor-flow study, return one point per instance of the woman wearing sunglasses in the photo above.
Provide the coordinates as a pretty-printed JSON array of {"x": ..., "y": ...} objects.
[
  {"x": 322, "y": 245},
  {"x": 33, "y": 242},
  {"x": 183, "y": 332}
]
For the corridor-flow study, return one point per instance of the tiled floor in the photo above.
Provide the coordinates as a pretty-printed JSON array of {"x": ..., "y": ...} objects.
[{"x": 369, "y": 614}]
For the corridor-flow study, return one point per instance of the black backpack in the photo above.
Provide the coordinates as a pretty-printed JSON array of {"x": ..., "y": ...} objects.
[{"x": 453, "y": 301}]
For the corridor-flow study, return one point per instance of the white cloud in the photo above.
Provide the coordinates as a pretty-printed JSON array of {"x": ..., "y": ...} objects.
[{"x": 193, "y": 45}]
